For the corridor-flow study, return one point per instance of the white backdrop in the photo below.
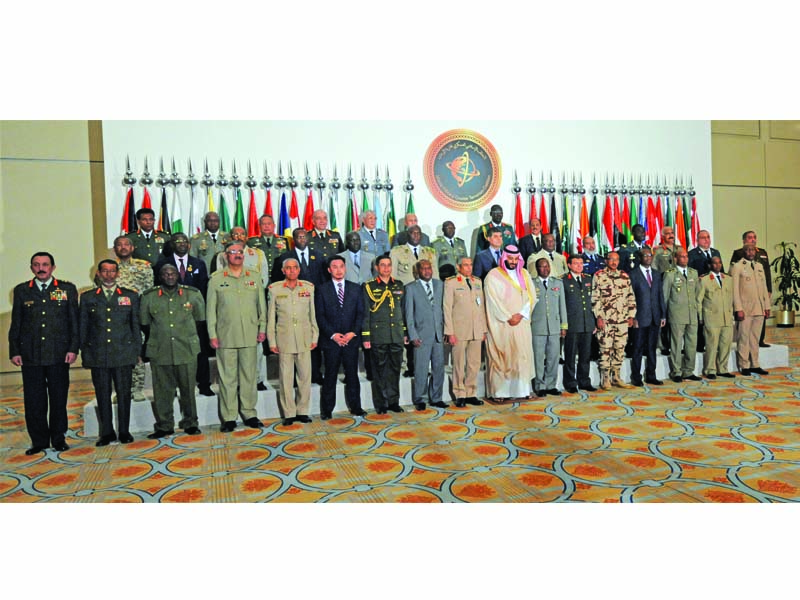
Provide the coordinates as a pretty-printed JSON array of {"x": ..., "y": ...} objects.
[{"x": 662, "y": 148}]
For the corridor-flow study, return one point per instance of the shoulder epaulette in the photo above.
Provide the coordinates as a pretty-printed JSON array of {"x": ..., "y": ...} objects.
[{"x": 151, "y": 290}]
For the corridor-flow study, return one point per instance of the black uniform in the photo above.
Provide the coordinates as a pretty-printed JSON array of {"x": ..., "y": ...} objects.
[
  {"x": 329, "y": 246},
  {"x": 44, "y": 328},
  {"x": 581, "y": 325}
]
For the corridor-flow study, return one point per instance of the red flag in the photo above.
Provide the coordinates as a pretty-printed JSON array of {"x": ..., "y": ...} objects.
[
  {"x": 532, "y": 214},
  {"x": 680, "y": 226},
  {"x": 608, "y": 224},
  {"x": 253, "y": 229},
  {"x": 626, "y": 220},
  {"x": 652, "y": 222},
  {"x": 543, "y": 217},
  {"x": 659, "y": 221},
  {"x": 146, "y": 200},
  {"x": 617, "y": 222},
  {"x": 294, "y": 213},
  {"x": 129, "y": 213},
  {"x": 695, "y": 221},
  {"x": 268, "y": 204},
  {"x": 583, "y": 228},
  {"x": 308, "y": 211},
  {"x": 519, "y": 226}
]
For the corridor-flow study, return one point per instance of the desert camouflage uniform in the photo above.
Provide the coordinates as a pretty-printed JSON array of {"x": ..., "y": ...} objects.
[
  {"x": 614, "y": 302},
  {"x": 137, "y": 275}
]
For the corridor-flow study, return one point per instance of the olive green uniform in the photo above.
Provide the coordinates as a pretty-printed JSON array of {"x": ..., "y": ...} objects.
[
  {"x": 272, "y": 247},
  {"x": 449, "y": 251},
  {"x": 680, "y": 296},
  {"x": 205, "y": 248},
  {"x": 145, "y": 248}
]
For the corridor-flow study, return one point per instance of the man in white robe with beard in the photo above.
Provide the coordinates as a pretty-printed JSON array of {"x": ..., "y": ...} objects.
[{"x": 510, "y": 298}]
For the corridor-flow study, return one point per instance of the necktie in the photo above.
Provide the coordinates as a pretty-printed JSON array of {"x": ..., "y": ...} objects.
[
  {"x": 303, "y": 259},
  {"x": 109, "y": 292},
  {"x": 356, "y": 262},
  {"x": 182, "y": 269},
  {"x": 536, "y": 244},
  {"x": 469, "y": 285},
  {"x": 497, "y": 257},
  {"x": 684, "y": 272},
  {"x": 451, "y": 244},
  {"x": 719, "y": 280},
  {"x": 322, "y": 236},
  {"x": 545, "y": 283},
  {"x": 340, "y": 293},
  {"x": 372, "y": 233},
  {"x": 44, "y": 287},
  {"x": 415, "y": 253},
  {"x": 214, "y": 237},
  {"x": 708, "y": 255},
  {"x": 752, "y": 265},
  {"x": 269, "y": 243},
  {"x": 649, "y": 278},
  {"x": 551, "y": 255},
  {"x": 429, "y": 291}
]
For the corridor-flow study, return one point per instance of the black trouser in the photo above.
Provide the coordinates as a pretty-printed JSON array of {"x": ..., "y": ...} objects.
[
  {"x": 43, "y": 387},
  {"x": 335, "y": 356},
  {"x": 101, "y": 379},
  {"x": 666, "y": 339},
  {"x": 410, "y": 357},
  {"x": 701, "y": 340},
  {"x": 577, "y": 345},
  {"x": 368, "y": 363},
  {"x": 316, "y": 365},
  {"x": 203, "y": 376},
  {"x": 645, "y": 339},
  {"x": 763, "y": 332},
  {"x": 387, "y": 360}
]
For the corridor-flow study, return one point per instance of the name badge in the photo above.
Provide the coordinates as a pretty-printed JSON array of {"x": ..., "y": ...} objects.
[{"x": 123, "y": 301}]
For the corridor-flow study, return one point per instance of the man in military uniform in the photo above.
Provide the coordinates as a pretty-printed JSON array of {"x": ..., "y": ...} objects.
[
  {"x": 169, "y": 314},
  {"x": 548, "y": 326},
  {"x": 401, "y": 239},
  {"x": 137, "y": 275},
  {"x": 496, "y": 214},
  {"x": 110, "y": 347},
  {"x": 700, "y": 260},
  {"x": 405, "y": 257},
  {"x": 663, "y": 261},
  {"x": 237, "y": 324},
  {"x": 614, "y": 308},
  {"x": 629, "y": 255},
  {"x": 580, "y": 327},
  {"x": 465, "y": 330},
  {"x": 749, "y": 237},
  {"x": 384, "y": 334},
  {"x": 43, "y": 339},
  {"x": 373, "y": 240},
  {"x": 592, "y": 261},
  {"x": 270, "y": 244},
  {"x": 448, "y": 247},
  {"x": 254, "y": 259},
  {"x": 715, "y": 311},
  {"x": 323, "y": 240},
  {"x": 751, "y": 305},
  {"x": 558, "y": 264},
  {"x": 680, "y": 294},
  {"x": 147, "y": 243},
  {"x": 207, "y": 244}
]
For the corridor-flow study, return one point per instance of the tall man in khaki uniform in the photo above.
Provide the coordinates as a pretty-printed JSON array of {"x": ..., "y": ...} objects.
[
  {"x": 207, "y": 244},
  {"x": 750, "y": 237},
  {"x": 293, "y": 333},
  {"x": 137, "y": 275},
  {"x": 614, "y": 308},
  {"x": 715, "y": 311},
  {"x": 169, "y": 313},
  {"x": 465, "y": 329},
  {"x": 751, "y": 304},
  {"x": 147, "y": 243},
  {"x": 237, "y": 324},
  {"x": 680, "y": 294}
]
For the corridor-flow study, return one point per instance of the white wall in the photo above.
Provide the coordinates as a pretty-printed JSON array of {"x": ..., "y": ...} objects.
[{"x": 663, "y": 148}]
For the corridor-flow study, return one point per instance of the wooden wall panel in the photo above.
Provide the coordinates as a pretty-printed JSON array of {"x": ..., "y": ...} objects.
[
  {"x": 784, "y": 130},
  {"x": 783, "y": 164},
  {"x": 53, "y": 140},
  {"x": 736, "y": 210},
  {"x": 737, "y": 160},
  {"x": 750, "y": 128}
]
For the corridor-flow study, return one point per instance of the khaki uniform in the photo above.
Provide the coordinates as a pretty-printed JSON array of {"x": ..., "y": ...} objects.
[
  {"x": 749, "y": 295},
  {"x": 680, "y": 296},
  {"x": 147, "y": 249},
  {"x": 172, "y": 348},
  {"x": 558, "y": 264},
  {"x": 403, "y": 261},
  {"x": 237, "y": 313},
  {"x": 614, "y": 302},
  {"x": 292, "y": 328},
  {"x": 205, "y": 248},
  {"x": 136, "y": 274},
  {"x": 715, "y": 311},
  {"x": 465, "y": 318},
  {"x": 254, "y": 260},
  {"x": 272, "y": 247},
  {"x": 664, "y": 257},
  {"x": 448, "y": 255}
]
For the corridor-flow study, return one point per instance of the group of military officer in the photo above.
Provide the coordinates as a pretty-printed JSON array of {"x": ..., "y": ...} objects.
[{"x": 398, "y": 300}]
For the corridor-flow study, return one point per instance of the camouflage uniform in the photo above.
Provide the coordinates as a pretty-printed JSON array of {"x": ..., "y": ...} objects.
[
  {"x": 614, "y": 302},
  {"x": 136, "y": 274}
]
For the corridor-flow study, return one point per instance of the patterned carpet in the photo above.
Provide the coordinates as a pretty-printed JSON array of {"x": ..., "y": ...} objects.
[{"x": 723, "y": 441}]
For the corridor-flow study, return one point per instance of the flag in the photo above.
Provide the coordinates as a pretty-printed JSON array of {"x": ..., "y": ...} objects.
[
  {"x": 634, "y": 214},
  {"x": 410, "y": 204},
  {"x": 583, "y": 229},
  {"x": 163, "y": 216},
  {"x": 652, "y": 223},
  {"x": 284, "y": 224},
  {"x": 519, "y": 226},
  {"x": 238, "y": 217},
  {"x": 294, "y": 212},
  {"x": 680, "y": 228},
  {"x": 543, "y": 217},
  {"x": 554, "y": 222},
  {"x": 594, "y": 219},
  {"x": 617, "y": 224},
  {"x": 210, "y": 201},
  {"x": 695, "y": 221},
  {"x": 224, "y": 218},
  {"x": 253, "y": 229},
  {"x": 195, "y": 218},
  {"x": 608, "y": 226},
  {"x": 659, "y": 222},
  {"x": 334, "y": 224},
  {"x": 364, "y": 202},
  {"x": 687, "y": 222},
  {"x": 128, "y": 213},
  {"x": 532, "y": 213},
  {"x": 626, "y": 221},
  {"x": 376, "y": 201},
  {"x": 177, "y": 214},
  {"x": 391, "y": 220},
  {"x": 146, "y": 199},
  {"x": 351, "y": 220},
  {"x": 563, "y": 241},
  {"x": 668, "y": 222},
  {"x": 268, "y": 204},
  {"x": 308, "y": 211}
]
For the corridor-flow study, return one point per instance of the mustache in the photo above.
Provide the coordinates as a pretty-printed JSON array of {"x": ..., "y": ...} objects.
[{"x": 41, "y": 272}]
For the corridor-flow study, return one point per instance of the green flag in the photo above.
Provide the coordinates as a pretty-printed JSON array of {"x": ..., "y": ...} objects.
[
  {"x": 668, "y": 220},
  {"x": 687, "y": 222},
  {"x": 410, "y": 204},
  {"x": 224, "y": 219},
  {"x": 634, "y": 216},
  {"x": 348, "y": 221},
  {"x": 332, "y": 214},
  {"x": 364, "y": 204},
  {"x": 238, "y": 218},
  {"x": 391, "y": 221},
  {"x": 177, "y": 216}
]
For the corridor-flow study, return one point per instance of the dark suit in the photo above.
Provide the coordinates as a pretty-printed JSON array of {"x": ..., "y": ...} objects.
[
  {"x": 699, "y": 262},
  {"x": 331, "y": 319},
  {"x": 528, "y": 246},
  {"x": 484, "y": 262},
  {"x": 110, "y": 347},
  {"x": 593, "y": 264},
  {"x": 763, "y": 258},
  {"x": 650, "y": 309},
  {"x": 580, "y": 329},
  {"x": 44, "y": 328}
]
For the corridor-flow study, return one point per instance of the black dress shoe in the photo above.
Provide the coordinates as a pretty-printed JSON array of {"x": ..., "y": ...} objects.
[
  {"x": 473, "y": 400},
  {"x": 324, "y": 416},
  {"x": 693, "y": 378},
  {"x": 35, "y": 450},
  {"x": 359, "y": 412},
  {"x": 637, "y": 383},
  {"x": 711, "y": 376},
  {"x": 395, "y": 408},
  {"x": 206, "y": 391},
  {"x": 571, "y": 390},
  {"x": 287, "y": 422},
  {"x": 105, "y": 440},
  {"x": 460, "y": 402},
  {"x": 317, "y": 380},
  {"x": 588, "y": 388},
  {"x": 228, "y": 426},
  {"x": 744, "y": 371},
  {"x": 554, "y": 392},
  {"x": 303, "y": 418},
  {"x": 759, "y": 371},
  {"x": 541, "y": 393},
  {"x": 654, "y": 381},
  {"x": 61, "y": 447},
  {"x": 158, "y": 434},
  {"x": 261, "y": 387},
  {"x": 125, "y": 438},
  {"x": 408, "y": 373},
  {"x": 677, "y": 379},
  {"x": 380, "y": 411},
  {"x": 192, "y": 431},
  {"x": 665, "y": 352},
  {"x": 764, "y": 345},
  {"x": 419, "y": 406},
  {"x": 727, "y": 375},
  {"x": 439, "y": 404},
  {"x": 254, "y": 423}
]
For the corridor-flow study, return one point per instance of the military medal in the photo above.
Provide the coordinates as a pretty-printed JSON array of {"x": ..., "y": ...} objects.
[
  {"x": 123, "y": 301},
  {"x": 58, "y": 295}
]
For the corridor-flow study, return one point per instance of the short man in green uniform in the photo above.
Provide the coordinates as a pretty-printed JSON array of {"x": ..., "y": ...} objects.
[
  {"x": 207, "y": 244},
  {"x": 237, "y": 323},
  {"x": 448, "y": 247},
  {"x": 147, "y": 243},
  {"x": 614, "y": 308},
  {"x": 496, "y": 213},
  {"x": 169, "y": 314},
  {"x": 680, "y": 294},
  {"x": 270, "y": 244},
  {"x": 323, "y": 240},
  {"x": 384, "y": 334},
  {"x": 715, "y": 311},
  {"x": 292, "y": 333},
  {"x": 405, "y": 257}
]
